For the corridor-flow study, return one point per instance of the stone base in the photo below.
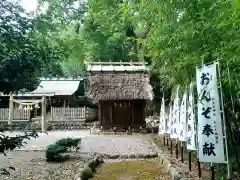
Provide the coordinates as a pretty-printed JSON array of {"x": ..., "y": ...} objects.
[{"x": 96, "y": 131}]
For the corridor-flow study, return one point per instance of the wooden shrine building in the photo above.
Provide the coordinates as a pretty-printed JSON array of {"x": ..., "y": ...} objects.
[
  {"x": 121, "y": 90},
  {"x": 58, "y": 100}
]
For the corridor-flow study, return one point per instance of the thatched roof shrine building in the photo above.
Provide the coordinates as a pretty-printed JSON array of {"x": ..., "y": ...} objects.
[{"x": 121, "y": 91}]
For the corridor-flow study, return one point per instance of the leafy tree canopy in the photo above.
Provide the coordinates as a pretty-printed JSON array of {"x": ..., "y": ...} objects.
[{"x": 23, "y": 55}]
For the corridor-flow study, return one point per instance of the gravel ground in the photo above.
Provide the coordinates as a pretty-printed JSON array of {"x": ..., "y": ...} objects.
[
  {"x": 105, "y": 144},
  {"x": 33, "y": 166}
]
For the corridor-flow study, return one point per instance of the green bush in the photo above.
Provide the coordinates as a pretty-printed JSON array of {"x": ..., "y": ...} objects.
[
  {"x": 69, "y": 142},
  {"x": 54, "y": 152}
]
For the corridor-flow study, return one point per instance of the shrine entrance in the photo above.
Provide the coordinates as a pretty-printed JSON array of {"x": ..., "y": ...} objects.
[{"x": 122, "y": 113}]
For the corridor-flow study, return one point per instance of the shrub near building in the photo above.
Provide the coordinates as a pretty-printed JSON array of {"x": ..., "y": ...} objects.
[{"x": 55, "y": 152}]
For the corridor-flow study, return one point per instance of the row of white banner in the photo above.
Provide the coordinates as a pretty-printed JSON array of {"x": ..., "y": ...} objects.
[{"x": 179, "y": 120}]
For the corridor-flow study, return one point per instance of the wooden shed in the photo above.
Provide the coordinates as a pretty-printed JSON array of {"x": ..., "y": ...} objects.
[{"x": 121, "y": 91}]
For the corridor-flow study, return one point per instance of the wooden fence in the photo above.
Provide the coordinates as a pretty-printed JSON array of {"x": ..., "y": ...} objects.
[
  {"x": 56, "y": 114},
  {"x": 17, "y": 114},
  {"x": 68, "y": 114}
]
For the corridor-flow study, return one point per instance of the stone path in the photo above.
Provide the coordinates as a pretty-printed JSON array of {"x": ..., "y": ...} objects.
[{"x": 105, "y": 144}]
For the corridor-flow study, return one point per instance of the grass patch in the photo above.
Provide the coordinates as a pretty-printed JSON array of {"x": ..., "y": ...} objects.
[{"x": 147, "y": 169}]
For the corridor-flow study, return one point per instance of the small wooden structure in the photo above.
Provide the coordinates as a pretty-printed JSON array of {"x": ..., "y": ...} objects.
[
  {"x": 121, "y": 91},
  {"x": 58, "y": 99}
]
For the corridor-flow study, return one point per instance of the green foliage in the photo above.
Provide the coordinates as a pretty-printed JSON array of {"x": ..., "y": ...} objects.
[
  {"x": 60, "y": 26},
  {"x": 69, "y": 142},
  {"x": 182, "y": 35},
  {"x": 108, "y": 33},
  {"x": 54, "y": 152},
  {"x": 23, "y": 55},
  {"x": 10, "y": 143},
  {"x": 185, "y": 33},
  {"x": 27, "y": 52},
  {"x": 101, "y": 34},
  {"x": 174, "y": 36}
]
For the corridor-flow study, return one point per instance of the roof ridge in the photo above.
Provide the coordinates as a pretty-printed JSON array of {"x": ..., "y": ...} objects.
[{"x": 78, "y": 78}]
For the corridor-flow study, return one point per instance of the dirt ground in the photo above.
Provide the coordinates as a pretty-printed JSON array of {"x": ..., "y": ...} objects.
[{"x": 147, "y": 169}]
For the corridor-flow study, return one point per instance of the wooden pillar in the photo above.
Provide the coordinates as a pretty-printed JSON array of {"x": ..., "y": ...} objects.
[
  {"x": 111, "y": 113},
  {"x": 35, "y": 112},
  {"x": 133, "y": 109},
  {"x": 11, "y": 110},
  {"x": 43, "y": 113},
  {"x": 64, "y": 109},
  {"x": 99, "y": 113}
]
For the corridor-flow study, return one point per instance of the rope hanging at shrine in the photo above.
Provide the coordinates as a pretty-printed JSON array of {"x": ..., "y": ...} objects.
[{"x": 28, "y": 105}]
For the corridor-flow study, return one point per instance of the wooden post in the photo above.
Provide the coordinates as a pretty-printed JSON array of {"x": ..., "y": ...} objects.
[
  {"x": 64, "y": 109},
  {"x": 190, "y": 160},
  {"x": 35, "y": 111},
  {"x": 199, "y": 168},
  {"x": 164, "y": 140},
  {"x": 167, "y": 142},
  {"x": 99, "y": 114},
  {"x": 176, "y": 148},
  {"x": 11, "y": 110},
  {"x": 182, "y": 149},
  {"x": 51, "y": 112},
  {"x": 131, "y": 104},
  {"x": 212, "y": 172},
  {"x": 43, "y": 113},
  {"x": 111, "y": 113}
]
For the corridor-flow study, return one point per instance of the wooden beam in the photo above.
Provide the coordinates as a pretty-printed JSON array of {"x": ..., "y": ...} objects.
[
  {"x": 27, "y": 100},
  {"x": 117, "y": 63}
]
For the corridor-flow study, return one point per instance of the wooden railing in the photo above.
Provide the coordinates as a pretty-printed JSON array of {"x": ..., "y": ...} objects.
[
  {"x": 56, "y": 114},
  {"x": 68, "y": 114},
  {"x": 17, "y": 114}
]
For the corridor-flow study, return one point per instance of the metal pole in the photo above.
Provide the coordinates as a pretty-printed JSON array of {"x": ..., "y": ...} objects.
[
  {"x": 197, "y": 145},
  {"x": 224, "y": 123}
]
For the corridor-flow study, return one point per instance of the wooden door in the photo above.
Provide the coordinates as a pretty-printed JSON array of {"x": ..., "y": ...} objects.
[
  {"x": 139, "y": 119},
  {"x": 105, "y": 108},
  {"x": 122, "y": 113}
]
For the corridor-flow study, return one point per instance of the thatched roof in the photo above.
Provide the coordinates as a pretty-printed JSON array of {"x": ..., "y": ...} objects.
[{"x": 119, "y": 85}]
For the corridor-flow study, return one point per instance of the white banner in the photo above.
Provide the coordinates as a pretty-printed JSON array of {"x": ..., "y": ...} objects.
[
  {"x": 210, "y": 137},
  {"x": 175, "y": 117},
  {"x": 183, "y": 118},
  {"x": 169, "y": 122},
  {"x": 162, "y": 122},
  {"x": 191, "y": 119}
]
